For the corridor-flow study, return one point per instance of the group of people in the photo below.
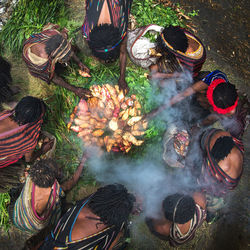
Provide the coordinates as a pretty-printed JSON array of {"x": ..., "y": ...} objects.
[{"x": 101, "y": 220}]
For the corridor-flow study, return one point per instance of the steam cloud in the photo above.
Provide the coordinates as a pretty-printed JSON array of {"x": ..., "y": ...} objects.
[{"x": 150, "y": 180}]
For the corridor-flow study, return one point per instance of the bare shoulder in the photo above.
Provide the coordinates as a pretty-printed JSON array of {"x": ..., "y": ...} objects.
[{"x": 200, "y": 199}]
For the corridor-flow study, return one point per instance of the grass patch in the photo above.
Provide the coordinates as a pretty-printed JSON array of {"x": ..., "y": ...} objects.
[
  {"x": 4, "y": 215},
  {"x": 29, "y": 17}
]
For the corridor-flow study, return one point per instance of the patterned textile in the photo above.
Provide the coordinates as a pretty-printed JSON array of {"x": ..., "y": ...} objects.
[
  {"x": 25, "y": 216},
  {"x": 41, "y": 67},
  {"x": 216, "y": 74},
  {"x": 177, "y": 238},
  {"x": 192, "y": 61},
  {"x": 119, "y": 12},
  {"x": 14, "y": 144},
  {"x": 213, "y": 179},
  {"x": 60, "y": 237}
]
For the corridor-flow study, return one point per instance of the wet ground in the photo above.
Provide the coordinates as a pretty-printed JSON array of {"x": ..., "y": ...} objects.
[{"x": 222, "y": 25}]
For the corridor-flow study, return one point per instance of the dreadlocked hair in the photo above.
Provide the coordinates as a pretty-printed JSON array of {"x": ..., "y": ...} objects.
[
  {"x": 225, "y": 95},
  {"x": 28, "y": 110},
  {"x": 44, "y": 173},
  {"x": 113, "y": 204},
  {"x": 179, "y": 208},
  {"x": 5, "y": 79},
  {"x": 175, "y": 36},
  {"x": 105, "y": 36},
  {"x": 54, "y": 43},
  {"x": 222, "y": 147}
]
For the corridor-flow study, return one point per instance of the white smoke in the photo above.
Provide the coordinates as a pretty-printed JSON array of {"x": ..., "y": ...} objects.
[{"x": 150, "y": 180}]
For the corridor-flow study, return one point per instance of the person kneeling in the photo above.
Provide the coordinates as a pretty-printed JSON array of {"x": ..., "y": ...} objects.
[
  {"x": 38, "y": 205},
  {"x": 181, "y": 217},
  {"x": 96, "y": 222}
]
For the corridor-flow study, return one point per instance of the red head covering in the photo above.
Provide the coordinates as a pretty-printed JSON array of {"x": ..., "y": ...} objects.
[{"x": 210, "y": 92}]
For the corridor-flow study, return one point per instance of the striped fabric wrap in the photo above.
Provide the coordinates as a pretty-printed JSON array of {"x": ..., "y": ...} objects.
[
  {"x": 25, "y": 216},
  {"x": 119, "y": 12},
  {"x": 60, "y": 237},
  {"x": 177, "y": 238},
  {"x": 191, "y": 61},
  {"x": 40, "y": 67},
  {"x": 213, "y": 178},
  {"x": 14, "y": 144}
]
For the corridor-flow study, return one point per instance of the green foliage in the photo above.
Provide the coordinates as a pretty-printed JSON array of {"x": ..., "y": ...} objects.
[
  {"x": 193, "y": 13},
  {"x": 28, "y": 17},
  {"x": 148, "y": 12},
  {"x": 4, "y": 215}
]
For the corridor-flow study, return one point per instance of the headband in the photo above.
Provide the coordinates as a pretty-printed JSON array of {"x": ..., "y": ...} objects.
[
  {"x": 175, "y": 208},
  {"x": 107, "y": 50},
  {"x": 210, "y": 92}
]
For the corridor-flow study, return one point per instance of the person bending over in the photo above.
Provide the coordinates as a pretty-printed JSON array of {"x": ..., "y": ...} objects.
[
  {"x": 96, "y": 222},
  {"x": 180, "y": 218},
  {"x": 216, "y": 94},
  {"x": 182, "y": 47},
  {"x": 105, "y": 29},
  {"x": 19, "y": 131},
  {"x": 42, "y": 51},
  {"x": 38, "y": 205},
  {"x": 222, "y": 165}
]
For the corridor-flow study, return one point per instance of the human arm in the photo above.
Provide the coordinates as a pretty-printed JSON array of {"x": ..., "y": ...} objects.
[
  {"x": 200, "y": 199},
  {"x": 196, "y": 87},
  {"x": 80, "y": 64},
  {"x": 69, "y": 184},
  {"x": 81, "y": 92},
  {"x": 123, "y": 62},
  {"x": 33, "y": 155}
]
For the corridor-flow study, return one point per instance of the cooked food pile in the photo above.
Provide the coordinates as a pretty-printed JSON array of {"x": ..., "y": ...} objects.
[{"x": 109, "y": 119}]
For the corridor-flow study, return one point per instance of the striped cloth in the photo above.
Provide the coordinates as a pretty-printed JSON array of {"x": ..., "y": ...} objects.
[
  {"x": 41, "y": 67},
  {"x": 191, "y": 61},
  {"x": 213, "y": 179},
  {"x": 60, "y": 237},
  {"x": 25, "y": 216},
  {"x": 177, "y": 237},
  {"x": 119, "y": 13},
  {"x": 15, "y": 143}
]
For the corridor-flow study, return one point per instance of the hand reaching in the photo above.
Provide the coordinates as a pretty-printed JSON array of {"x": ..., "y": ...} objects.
[
  {"x": 83, "y": 92},
  {"x": 83, "y": 67},
  {"x": 46, "y": 146},
  {"x": 124, "y": 86}
]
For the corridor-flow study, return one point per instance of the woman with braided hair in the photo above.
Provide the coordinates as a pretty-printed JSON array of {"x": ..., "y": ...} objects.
[
  {"x": 96, "y": 222},
  {"x": 181, "y": 217}
]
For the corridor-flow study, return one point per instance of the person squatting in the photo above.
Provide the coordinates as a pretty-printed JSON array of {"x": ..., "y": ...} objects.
[{"x": 101, "y": 220}]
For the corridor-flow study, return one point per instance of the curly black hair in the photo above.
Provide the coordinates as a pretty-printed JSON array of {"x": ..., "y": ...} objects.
[
  {"x": 175, "y": 36},
  {"x": 102, "y": 37},
  {"x": 222, "y": 147},
  {"x": 225, "y": 95},
  {"x": 179, "y": 208},
  {"x": 28, "y": 110},
  {"x": 113, "y": 204},
  {"x": 5, "y": 79},
  {"x": 44, "y": 173}
]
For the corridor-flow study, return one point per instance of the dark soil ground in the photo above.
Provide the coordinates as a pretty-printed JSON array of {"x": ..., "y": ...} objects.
[{"x": 223, "y": 27}]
